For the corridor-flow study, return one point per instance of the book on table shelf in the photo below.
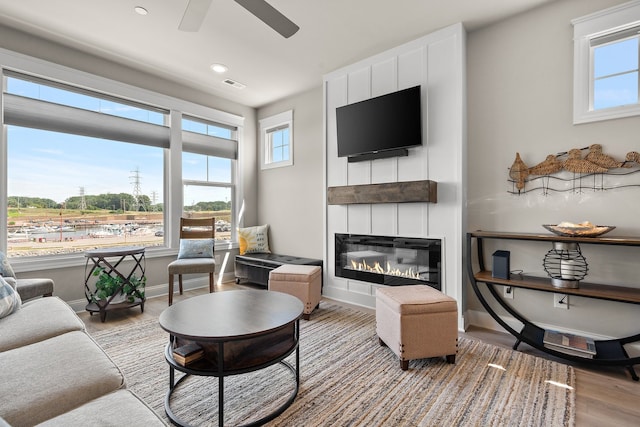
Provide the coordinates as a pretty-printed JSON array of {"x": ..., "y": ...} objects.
[
  {"x": 570, "y": 351},
  {"x": 576, "y": 345},
  {"x": 187, "y": 353}
]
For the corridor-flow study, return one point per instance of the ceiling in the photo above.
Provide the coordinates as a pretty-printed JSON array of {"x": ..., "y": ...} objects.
[{"x": 333, "y": 33}]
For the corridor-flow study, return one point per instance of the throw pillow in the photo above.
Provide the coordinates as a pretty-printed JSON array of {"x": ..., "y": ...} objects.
[
  {"x": 12, "y": 281},
  {"x": 254, "y": 239},
  {"x": 9, "y": 299},
  {"x": 196, "y": 248},
  {"x": 5, "y": 267}
]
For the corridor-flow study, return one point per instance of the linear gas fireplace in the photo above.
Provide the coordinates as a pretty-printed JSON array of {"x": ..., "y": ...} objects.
[{"x": 389, "y": 260}]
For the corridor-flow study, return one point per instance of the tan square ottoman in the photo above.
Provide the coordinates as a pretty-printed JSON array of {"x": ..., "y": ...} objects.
[
  {"x": 416, "y": 322},
  {"x": 301, "y": 281}
]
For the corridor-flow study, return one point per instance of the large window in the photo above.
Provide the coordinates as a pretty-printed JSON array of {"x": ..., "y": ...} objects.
[
  {"x": 86, "y": 168},
  {"x": 68, "y": 193},
  {"x": 606, "y": 58}
]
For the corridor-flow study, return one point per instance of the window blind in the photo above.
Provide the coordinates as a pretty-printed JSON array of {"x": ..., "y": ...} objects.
[{"x": 37, "y": 114}]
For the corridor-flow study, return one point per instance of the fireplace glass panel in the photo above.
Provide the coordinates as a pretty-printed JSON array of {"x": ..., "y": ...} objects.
[{"x": 387, "y": 260}]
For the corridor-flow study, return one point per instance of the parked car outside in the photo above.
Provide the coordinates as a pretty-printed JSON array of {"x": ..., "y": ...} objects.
[{"x": 223, "y": 226}]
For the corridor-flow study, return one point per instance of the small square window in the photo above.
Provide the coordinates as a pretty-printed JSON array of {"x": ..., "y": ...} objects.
[
  {"x": 276, "y": 140},
  {"x": 606, "y": 58},
  {"x": 278, "y": 145},
  {"x": 615, "y": 73}
]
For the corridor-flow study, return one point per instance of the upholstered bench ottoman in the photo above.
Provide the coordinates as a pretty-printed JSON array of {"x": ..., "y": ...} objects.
[
  {"x": 301, "y": 281},
  {"x": 255, "y": 267},
  {"x": 416, "y": 322}
]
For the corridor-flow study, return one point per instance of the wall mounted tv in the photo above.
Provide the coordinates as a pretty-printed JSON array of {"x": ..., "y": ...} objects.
[{"x": 380, "y": 127}]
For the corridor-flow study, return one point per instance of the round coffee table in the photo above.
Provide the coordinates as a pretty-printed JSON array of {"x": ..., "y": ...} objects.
[{"x": 240, "y": 331}]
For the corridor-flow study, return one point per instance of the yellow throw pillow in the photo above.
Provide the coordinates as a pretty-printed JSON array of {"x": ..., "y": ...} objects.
[{"x": 254, "y": 239}]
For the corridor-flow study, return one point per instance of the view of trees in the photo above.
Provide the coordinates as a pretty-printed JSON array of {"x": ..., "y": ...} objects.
[
  {"x": 110, "y": 202},
  {"x": 210, "y": 206}
]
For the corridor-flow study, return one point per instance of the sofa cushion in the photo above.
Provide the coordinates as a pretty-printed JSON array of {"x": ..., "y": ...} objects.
[
  {"x": 10, "y": 300},
  {"x": 54, "y": 376},
  {"x": 120, "y": 408},
  {"x": 38, "y": 320},
  {"x": 11, "y": 281}
]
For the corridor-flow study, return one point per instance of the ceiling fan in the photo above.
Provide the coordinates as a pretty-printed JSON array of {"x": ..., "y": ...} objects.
[{"x": 197, "y": 9}]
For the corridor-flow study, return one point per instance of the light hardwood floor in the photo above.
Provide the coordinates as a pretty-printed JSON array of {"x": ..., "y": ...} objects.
[{"x": 604, "y": 396}]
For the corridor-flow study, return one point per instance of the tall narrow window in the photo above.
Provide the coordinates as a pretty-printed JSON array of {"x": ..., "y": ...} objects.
[
  {"x": 208, "y": 170},
  {"x": 276, "y": 140}
]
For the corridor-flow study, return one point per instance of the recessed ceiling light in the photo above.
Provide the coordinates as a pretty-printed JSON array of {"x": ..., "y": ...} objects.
[
  {"x": 141, "y": 10},
  {"x": 219, "y": 68}
]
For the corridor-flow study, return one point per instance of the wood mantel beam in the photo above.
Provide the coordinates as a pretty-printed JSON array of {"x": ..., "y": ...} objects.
[{"x": 395, "y": 192}]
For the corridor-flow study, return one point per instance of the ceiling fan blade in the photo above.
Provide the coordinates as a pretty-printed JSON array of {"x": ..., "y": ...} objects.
[
  {"x": 270, "y": 16},
  {"x": 194, "y": 15}
]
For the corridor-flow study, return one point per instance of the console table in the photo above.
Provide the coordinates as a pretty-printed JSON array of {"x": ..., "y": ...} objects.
[
  {"x": 110, "y": 259},
  {"x": 608, "y": 352}
]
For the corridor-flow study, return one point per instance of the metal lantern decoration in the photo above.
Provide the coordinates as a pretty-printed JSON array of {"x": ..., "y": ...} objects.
[{"x": 565, "y": 264}]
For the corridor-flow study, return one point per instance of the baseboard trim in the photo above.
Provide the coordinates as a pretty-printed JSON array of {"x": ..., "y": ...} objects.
[{"x": 362, "y": 300}]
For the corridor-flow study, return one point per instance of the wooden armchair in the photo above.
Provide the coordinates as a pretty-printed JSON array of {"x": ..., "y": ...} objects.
[{"x": 196, "y": 251}]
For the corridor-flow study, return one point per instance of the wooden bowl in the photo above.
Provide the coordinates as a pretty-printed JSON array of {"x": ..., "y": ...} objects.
[{"x": 595, "y": 231}]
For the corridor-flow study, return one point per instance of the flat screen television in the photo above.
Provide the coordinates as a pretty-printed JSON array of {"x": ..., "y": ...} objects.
[{"x": 384, "y": 126}]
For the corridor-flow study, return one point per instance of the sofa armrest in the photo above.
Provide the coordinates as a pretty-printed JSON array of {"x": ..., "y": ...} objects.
[{"x": 33, "y": 288}]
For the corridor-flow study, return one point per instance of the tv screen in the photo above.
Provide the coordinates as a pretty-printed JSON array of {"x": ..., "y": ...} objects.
[{"x": 381, "y": 124}]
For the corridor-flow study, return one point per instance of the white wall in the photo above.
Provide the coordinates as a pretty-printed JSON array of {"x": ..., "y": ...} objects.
[
  {"x": 290, "y": 198},
  {"x": 436, "y": 62},
  {"x": 520, "y": 80}
]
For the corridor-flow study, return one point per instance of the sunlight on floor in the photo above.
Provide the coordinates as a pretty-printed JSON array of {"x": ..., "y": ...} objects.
[{"x": 557, "y": 384}]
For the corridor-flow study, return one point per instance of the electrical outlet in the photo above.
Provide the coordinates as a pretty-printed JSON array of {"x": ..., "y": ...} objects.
[
  {"x": 507, "y": 292},
  {"x": 561, "y": 301}
]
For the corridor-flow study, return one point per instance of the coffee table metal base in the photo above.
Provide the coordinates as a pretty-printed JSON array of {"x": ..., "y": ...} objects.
[
  {"x": 239, "y": 331},
  {"x": 173, "y": 385}
]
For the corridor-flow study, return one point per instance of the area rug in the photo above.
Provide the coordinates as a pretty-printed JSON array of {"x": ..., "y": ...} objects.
[{"x": 348, "y": 379}]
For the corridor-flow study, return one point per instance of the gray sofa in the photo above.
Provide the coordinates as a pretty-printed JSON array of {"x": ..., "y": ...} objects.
[{"x": 55, "y": 374}]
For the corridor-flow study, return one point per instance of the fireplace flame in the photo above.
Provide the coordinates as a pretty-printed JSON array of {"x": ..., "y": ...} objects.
[{"x": 377, "y": 268}]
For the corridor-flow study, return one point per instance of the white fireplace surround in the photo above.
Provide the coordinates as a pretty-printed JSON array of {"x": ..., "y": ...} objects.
[{"x": 436, "y": 62}]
